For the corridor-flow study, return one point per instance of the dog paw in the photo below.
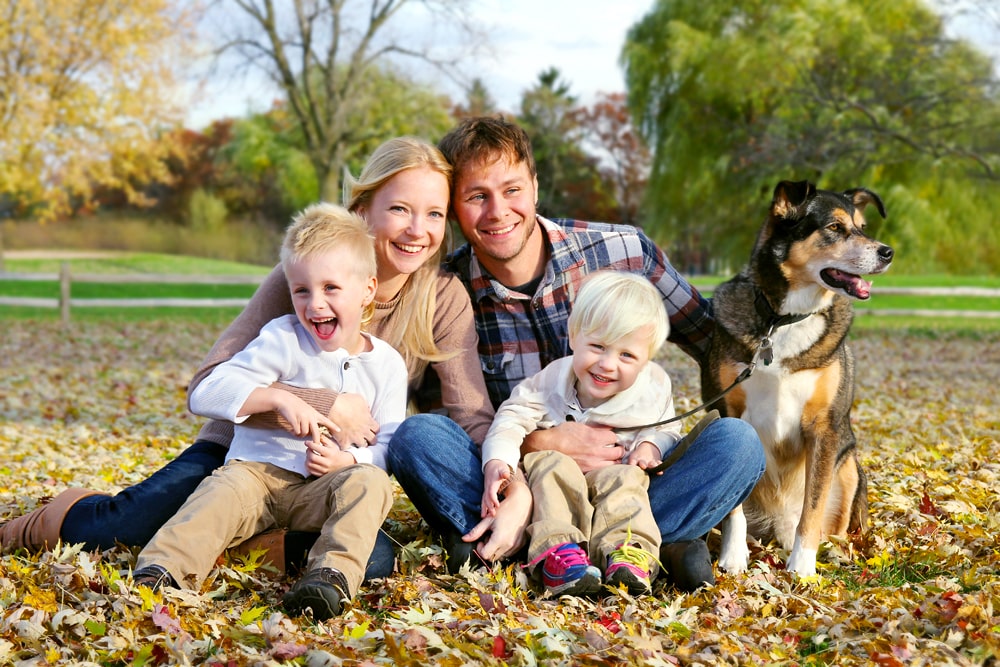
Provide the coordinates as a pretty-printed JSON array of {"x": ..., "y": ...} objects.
[
  {"x": 802, "y": 562},
  {"x": 734, "y": 559}
]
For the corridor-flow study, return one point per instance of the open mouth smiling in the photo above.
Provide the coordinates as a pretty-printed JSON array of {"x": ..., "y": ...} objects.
[
  {"x": 853, "y": 285},
  {"x": 325, "y": 328},
  {"x": 500, "y": 232},
  {"x": 408, "y": 249},
  {"x": 601, "y": 379}
]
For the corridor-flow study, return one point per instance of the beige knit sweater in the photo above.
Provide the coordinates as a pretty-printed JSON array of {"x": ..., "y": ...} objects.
[{"x": 463, "y": 391}]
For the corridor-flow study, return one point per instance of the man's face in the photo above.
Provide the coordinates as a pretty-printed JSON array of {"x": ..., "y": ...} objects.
[{"x": 495, "y": 202}]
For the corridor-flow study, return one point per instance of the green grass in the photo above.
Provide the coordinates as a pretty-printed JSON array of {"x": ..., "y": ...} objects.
[
  {"x": 129, "y": 263},
  {"x": 151, "y": 263},
  {"x": 921, "y": 326},
  {"x": 81, "y": 290}
]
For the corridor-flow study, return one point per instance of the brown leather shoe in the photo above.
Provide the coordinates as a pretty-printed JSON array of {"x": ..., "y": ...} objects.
[{"x": 273, "y": 544}]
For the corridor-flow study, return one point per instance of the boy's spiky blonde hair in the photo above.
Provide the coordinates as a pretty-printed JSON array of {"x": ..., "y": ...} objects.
[{"x": 323, "y": 227}]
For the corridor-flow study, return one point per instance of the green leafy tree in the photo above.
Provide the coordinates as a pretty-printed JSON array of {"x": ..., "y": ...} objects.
[
  {"x": 478, "y": 102},
  {"x": 569, "y": 180},
  {"x": 736, "y": 96}
]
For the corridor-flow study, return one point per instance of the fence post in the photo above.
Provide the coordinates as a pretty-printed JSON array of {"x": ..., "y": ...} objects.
[{"x": 64, "y": 292}]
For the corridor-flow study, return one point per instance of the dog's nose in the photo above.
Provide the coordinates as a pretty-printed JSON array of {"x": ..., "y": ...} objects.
[{"x": 885, "y": 253}]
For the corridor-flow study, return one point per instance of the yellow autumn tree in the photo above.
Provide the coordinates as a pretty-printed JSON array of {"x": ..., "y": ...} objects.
[{"x": 86, "y": 89}]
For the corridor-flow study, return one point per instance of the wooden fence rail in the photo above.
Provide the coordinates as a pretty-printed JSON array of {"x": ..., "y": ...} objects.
[{"x": 65, "y": 302}]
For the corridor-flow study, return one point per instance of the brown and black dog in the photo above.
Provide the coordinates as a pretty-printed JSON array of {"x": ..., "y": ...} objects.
[{"x": 788, "y": 313}]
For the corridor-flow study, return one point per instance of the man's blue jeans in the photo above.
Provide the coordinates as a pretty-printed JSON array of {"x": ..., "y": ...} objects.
[
  {"x": 438, "y": 466},
  {"x": 132, "y": 516}
]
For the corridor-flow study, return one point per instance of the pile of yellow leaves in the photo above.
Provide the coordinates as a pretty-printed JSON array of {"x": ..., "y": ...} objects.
[{"x": 104, "y": 406}]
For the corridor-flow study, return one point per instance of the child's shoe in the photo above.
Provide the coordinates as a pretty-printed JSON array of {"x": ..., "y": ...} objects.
[
  {"x": 153, "y": 577},
  {"x": 323, "y": 591},
  {"x": 567, "y": 571},
  {"x": 629, "y": 565}
]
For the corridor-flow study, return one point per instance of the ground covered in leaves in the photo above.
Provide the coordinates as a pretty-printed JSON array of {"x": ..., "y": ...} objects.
[{"x": 103, "y": 406}]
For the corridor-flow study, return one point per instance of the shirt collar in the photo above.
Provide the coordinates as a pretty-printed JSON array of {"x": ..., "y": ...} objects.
[{"x": 562, "y": 257}]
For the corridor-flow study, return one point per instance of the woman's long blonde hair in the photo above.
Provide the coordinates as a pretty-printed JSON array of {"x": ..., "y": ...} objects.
[{"x": 417, "y": 300}]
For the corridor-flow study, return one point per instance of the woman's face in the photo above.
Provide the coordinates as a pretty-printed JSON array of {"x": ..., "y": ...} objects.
[{"x": 407, "y": 216}]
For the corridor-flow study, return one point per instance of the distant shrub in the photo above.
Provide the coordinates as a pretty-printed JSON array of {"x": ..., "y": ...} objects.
[
  {"x": 237, "y": 240},
  {"x": 206, "y": 212}
]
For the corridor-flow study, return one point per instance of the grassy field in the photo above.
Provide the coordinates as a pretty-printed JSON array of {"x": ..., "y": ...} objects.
[{"x": 150, "y": 263}]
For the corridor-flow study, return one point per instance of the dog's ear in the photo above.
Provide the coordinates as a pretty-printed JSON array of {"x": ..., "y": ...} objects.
[
  {"x": 862, "y": 197},
  {"x": 789, "y": 198}
]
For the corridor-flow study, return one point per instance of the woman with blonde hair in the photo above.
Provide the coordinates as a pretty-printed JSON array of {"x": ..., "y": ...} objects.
[{"x": 403, "y": 195}]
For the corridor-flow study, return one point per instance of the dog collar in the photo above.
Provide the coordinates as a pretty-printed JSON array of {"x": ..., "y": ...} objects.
[{"x": 771, "y": 316}]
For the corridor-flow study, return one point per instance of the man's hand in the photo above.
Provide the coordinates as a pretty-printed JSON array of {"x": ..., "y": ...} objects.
[
  {"x": 351, "y": 414},
  {"x": 592, "y": 446},
  {"x": 507, "y": 527}
]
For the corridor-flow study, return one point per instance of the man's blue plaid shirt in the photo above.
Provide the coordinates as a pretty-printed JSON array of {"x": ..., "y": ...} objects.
[{"x": 519, "y": 334}]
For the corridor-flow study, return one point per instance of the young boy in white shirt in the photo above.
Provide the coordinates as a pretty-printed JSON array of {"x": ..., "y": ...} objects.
[
  {"x": 603, "y": 515},
  {"x": 301, "y": 481}
]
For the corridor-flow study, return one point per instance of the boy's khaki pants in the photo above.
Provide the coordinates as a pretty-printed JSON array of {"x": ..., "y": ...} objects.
[
  {"x": 243, "y": 498},
  {"x": 599, "y": 510}
]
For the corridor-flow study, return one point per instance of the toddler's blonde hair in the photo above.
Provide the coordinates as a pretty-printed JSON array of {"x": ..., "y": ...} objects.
[{"x": 614, "y": 304}]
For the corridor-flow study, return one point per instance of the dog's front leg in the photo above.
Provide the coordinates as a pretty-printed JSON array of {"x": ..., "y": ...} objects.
[
  {"x": 818, "y": 478},
  {"x": 735, "y": 554}
]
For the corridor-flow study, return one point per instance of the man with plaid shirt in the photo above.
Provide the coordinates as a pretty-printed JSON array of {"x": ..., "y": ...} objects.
[{"x": 522, "y": 272}]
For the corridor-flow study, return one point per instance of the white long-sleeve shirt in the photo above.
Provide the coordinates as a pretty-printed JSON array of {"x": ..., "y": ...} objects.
[
  {"x": 549, "y": 398},
  {"x": 285, "y": 352}
]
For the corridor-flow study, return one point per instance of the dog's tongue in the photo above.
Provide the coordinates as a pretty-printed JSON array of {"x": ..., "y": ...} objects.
[{"x": 854, "y": 285}]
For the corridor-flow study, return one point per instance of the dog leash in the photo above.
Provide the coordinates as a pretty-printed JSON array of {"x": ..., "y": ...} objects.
[
  {"x": 744, "y": 374},
  {"x": 763, "y": 354}
]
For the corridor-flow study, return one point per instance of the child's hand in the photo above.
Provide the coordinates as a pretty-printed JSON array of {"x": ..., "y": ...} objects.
[
  {"x": 494, "y": 474},
  {"x": 304, "y": 420},
  {"x": 646, "y": 455},
  {"x": 326, "y": 457}
]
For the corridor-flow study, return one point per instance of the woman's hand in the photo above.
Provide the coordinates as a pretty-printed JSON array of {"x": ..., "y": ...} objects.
[{"x": 355, "y": 426}]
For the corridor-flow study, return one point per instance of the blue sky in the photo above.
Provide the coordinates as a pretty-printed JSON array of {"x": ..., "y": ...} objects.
[{"x": 582, "y": 38}]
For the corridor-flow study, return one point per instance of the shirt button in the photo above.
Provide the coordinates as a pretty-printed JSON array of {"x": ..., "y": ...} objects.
[
  {"x": 490, "y": 365},
  {"x": 347, "y": 365}
]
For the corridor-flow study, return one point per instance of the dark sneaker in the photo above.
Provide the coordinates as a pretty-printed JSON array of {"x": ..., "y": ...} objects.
[
  {"x": 629, "y": 565},
  {"x": 153, "y": 577},
  {"x": 567, "y": 571},
  {"x": 688, "y": 564},
  {"x": 321, "y": 590}
]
